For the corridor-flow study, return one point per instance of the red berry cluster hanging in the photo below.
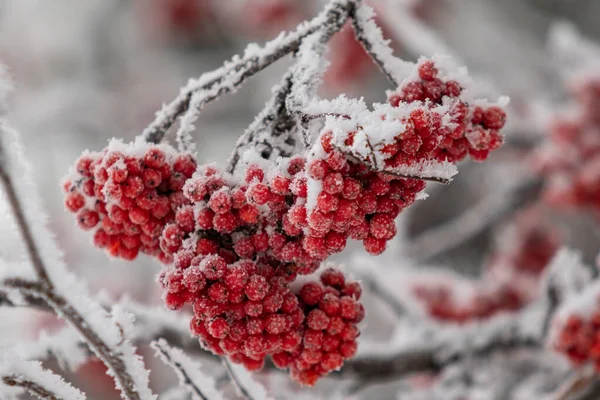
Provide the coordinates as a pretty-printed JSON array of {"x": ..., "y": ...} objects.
[
  {"x": 329, "y": 330},
  {"x": 235, "y": 247},
  {"x": 569, "y": 159},
  {"x": 233, "y": 261},
  {"x": 126, "y": 194}
]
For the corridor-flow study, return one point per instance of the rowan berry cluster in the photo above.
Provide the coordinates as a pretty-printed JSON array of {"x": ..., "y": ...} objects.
[
  {"x": 235, "y": 247},
  {"x": 329, "y": 330},
  {"x": 446, "y": 127},
  {"x": 570, "y": 157},
  {"x": 126, "y": 194},
  {"x": 246, "y": 310}
]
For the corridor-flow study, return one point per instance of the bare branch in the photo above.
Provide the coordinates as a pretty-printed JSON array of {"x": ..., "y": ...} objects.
[{"x": 245, "y": 386}]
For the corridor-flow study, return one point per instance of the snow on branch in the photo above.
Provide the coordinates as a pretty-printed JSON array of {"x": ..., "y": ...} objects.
[
  {"x": 233, "y": 73},
  {"x": 199, "y": 385},
  {"x": 17, "y": 375},
  {"x": 371, "y": 38},
  {"x": 272, "y": 134},
  {"x": 246, "y": 386},
  {"x": 55, "y": 285}
]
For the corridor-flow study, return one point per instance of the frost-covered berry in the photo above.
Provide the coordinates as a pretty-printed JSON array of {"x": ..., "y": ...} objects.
[{"x": 123, "y": 191}]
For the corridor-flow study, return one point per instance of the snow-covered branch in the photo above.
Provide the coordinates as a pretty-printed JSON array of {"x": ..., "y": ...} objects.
[
  {"x": 232, "y": 74},
  {"x": 56, "y": 286},
  {"x": 371, "y": 38},
  {"x": 246, "y": 386},
  {"x": 272, "y": 134},
  {"x": 197, "y": 383},
  {"x": 17, "y": 375}
]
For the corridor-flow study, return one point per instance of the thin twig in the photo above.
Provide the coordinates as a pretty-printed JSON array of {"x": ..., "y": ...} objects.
[
  {"x": 44, "y": 289},
  {"x": 242, "y": 391},
  {"x": 368, "y": 42},
  {"x": 272, "y": 124},
  {"x": 575, "y": 387},
  {"x": 33, "y": 388},
  {"x": 380, "y": 291},
  {"x": 23, "y": 226},
  {"x": 162, "y": 348}
]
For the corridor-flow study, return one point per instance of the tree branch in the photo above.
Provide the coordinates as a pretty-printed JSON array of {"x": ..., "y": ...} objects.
[
  {"x": 370, "y": 36},
  {"x": 272, "y": 125},
  {"x": 229, "y": 77},
  {"x": 33, "y": 378},
  {"x": 44, "y": 288},
  {"x": 33, "y": 388},
  {"x": 185, "y": 369}
]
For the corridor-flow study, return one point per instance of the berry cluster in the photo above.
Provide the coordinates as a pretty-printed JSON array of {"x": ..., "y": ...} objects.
[
  {"x": 578, "y": 338},
  {"x": 570, "y": 157},
  {"x": 247, "y": 311},
  {"x": 350, "y": 200},
  {"x": 234, "y": 259},
  {"x": 126, "y": 194},
  {"x": 329, "y": 330},
  {"x": 445, "y": 127}
]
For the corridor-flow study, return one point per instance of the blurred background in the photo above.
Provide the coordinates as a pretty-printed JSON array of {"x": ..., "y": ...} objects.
[{"x": 87, "y": 71}]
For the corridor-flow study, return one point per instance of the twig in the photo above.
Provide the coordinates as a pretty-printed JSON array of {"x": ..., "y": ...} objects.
[
  {"x": 23, "y": 226},
  {"x": 272, "y": 124},
  {"x": 33, "y": 388},
  {"x": 369, "y": 35},
  {"x": 235, "y": 72},
  {"x": 575, "y": 387},
  {"x": 373, "y": 285},
  {"x": 307, "y": 73},
  {"x": 44, "y": 288},
  {"x": 30, "y": 376},
  {"x": 180, "y": 363},
  {"x": 242, "y": 391}
]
